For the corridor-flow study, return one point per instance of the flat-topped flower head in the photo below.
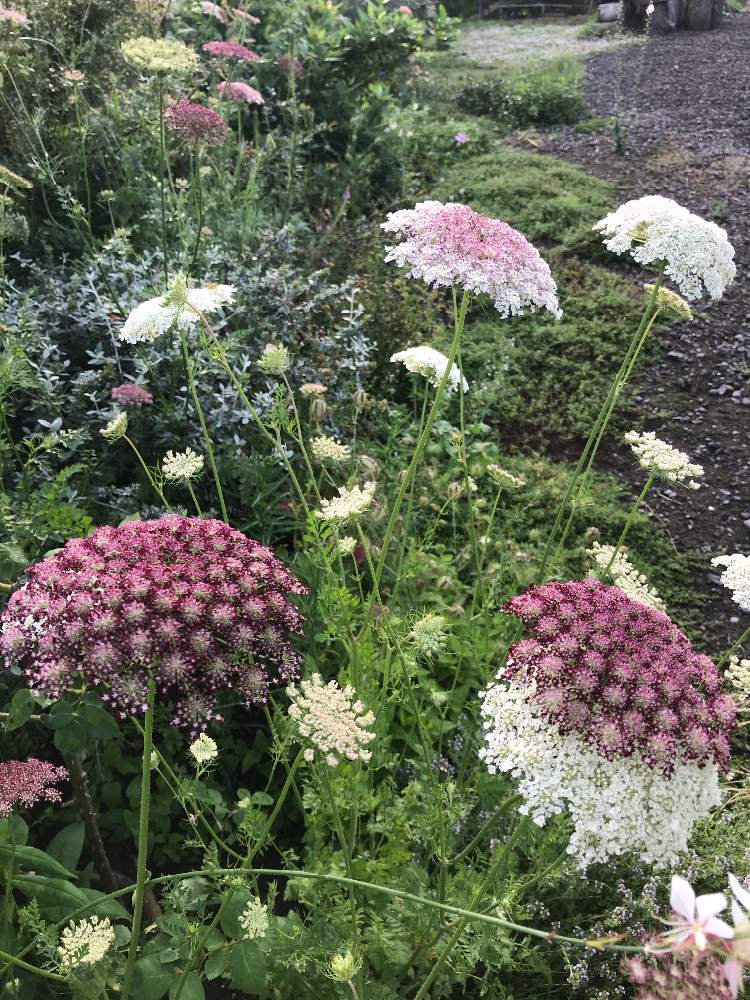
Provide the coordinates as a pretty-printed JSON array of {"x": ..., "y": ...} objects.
[
  {"x": 25, "y": 783},
  {"x": 697, "y": 254},
  {"x": 239, "y": 91},
  {"x": 14, "y": 16},
  {"x": 431, "y": 364},
  {"x": 230, "y": 50},
  {"x": 504, "y": 479},
  {"x": 204, "y": 750},
  {"x": 195, "y": 602},
  {"x": 312, "y": 389},
  {"x": 130, "y": 395},
  {"x": 155, "y": 317},
  {"x": 671, "y": 464},
  {"x": 254, "y": 920},
  {"x": 331, "y": 721},
  {"x": 738, "y": 676},
  {"x": 670, "y": 303},
  {"x": 195, "y": 124},
  {"x": 736, "y": 577},
  {"x": 451, "y": 245},
  {"x": 116, "y": 428},
  {"x": 620, "y": 675},
  {"x": 349, "y": 505},
  {"x": 159, "y": 55},
  {"x": 85, "y": 942},
  {"x": 624, "y": 575},
  {"x": 326, "y": 449},
  {"x": 181, "y": 465}
]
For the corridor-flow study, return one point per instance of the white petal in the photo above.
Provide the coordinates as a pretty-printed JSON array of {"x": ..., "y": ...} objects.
[
  {"x": 740, "y": 892},
  {"x": 710, "y": 905},
  {"x": 682, "y": 898},
  {"x": 719, "y": 928}
]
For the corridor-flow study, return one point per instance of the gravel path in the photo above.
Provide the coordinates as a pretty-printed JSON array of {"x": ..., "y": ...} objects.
[{"x": 687, "y": 103}]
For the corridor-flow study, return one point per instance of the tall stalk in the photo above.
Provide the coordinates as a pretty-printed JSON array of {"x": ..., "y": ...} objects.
[{"x": 164, "y": 168}]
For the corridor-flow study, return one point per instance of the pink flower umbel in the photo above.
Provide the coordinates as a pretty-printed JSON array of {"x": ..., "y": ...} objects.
[
  {"x": 18, "y": 17},
  {"x": 230, "y": 50},
  {"x": 129, "y": 395},
  {"x": 195, "y": 602},
  {"x": 239, "y": 91},
  {"x": 196, "y": 124},
  {"x": 697, "y": 920},
  {"x": 283, "y": 63},
  {"x": 451, "y": 245},
  {"x": 26, "y": 783},
  {"x": 683, "y": 977}
]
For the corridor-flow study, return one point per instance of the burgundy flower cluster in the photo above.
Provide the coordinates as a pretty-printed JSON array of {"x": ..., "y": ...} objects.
[
  {"x": 620, "y": 674},
  {"x": 132, "y": 395},
  {"x": 194, "y": 601},
  {"x": 230, "y": 50},
  {"x": 692, "y": 977},
  {"x": 195, "y": 123},
  {"x": 25, "y": 782}
]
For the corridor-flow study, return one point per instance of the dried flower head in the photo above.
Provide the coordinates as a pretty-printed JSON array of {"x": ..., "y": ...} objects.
[
  {"x": 130, "y": 395},
  {"x": 204, "y": 750},
  {"x": 670, "y": 302},
  {"x": 504, "y": 479},
  {"x": 254, "y": 920},
  {"x": 230, "y": 50},
  {"x": 736, "y": 577},
  {"x": 671, "y": 464},
  {"x": 24, "y": 783},
  {"x": 116, "y": 427},
  {"x": 85, "y": 943},
  {"x": 157, "y": 316},
  {"x": 17, "y": 17},
  {"x": 311, "y": 389},
  {"x": 196, "y": 124},
  {"x": 656, "y": 230},
  {"x": 239, "y": 91},
  {"x": 428, "y": 635},
  {"x": 331, "y": 721},
  {"x": 324, "y": 448},
  {"x": 342, "y": 968},
  {"x": 274, "y": 360},
  {"x": 181, "y": 465},
  {"x": 624, "y": 575},
  {"x": 349, "y": 505},
  {"x": 452, "y": 245},
  {"x": 159, "y": 55},
  {"x": 10, "y": 179},
  {"x": 347, "y": 545},
  {"x": 199, "y": 604},
  {"x": 432, "y": 365}
]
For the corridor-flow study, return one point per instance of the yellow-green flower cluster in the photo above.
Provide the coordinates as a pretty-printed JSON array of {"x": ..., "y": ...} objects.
[
  {"x": 738, "y": 675},
  {"x": 670, "y": 302},
  {"x": 327, "y": 449},
  {"x": 159, "y": 55}
]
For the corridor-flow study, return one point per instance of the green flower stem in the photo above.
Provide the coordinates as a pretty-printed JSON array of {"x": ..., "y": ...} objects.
[
  {"x": 252, "y": 851},
  {"x": 299, "y": 438},
  {"x": 195, "y": 161},
  {"x": 199, "y": 946},
  {"x": 141, "y": 874},
  {"x": 735, "y": 646},
  {"x": 194, "y": 497},
  {"x": 600, "y": 424},
  {"x": 18, "y": 963},
  {"x": 410, "y": 504},
  {"x": 202, "y": 419},
  {"x": 629, "y": 521},
  {"x": 155, "y": 486}
]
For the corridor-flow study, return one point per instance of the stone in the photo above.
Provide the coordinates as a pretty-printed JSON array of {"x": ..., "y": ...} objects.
[{"x": 609, "y": 12}]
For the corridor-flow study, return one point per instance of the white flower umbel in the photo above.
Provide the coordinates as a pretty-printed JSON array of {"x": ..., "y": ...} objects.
[
  {"x": 696, "y": 253},
  {"x": 625, "y": 576},
  {"x": 736, "y": 577},
  {"x": 655, "y": 455},
  {"x": 179, "y": 465},
  {"x": 738, "y": 675},
  {"x": 254, "y": 920},
  {"x": 85, "y": 943},
  {"x": 331, "y": 720},
  {"x": 349, "y": 505},
  {"x": 157, "y": 316},
  {"x": 504, "y": 479},
  {"x": 616, "y": 806},
  {"x": 324, "y": 448},
  {"x": 204, "y": 750},
  {"x": 430, "y": 363},
  {"x": 116, "y": 428}
]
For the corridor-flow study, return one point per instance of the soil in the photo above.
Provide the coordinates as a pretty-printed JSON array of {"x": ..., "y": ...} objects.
[{"x": 684, "y": 102}]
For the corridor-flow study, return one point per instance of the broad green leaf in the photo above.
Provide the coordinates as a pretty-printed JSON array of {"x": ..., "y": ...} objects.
[
  {"x": 231, "y": 910},
  {"x": 12, "y": 561},
  {"x": 67, "y": 845},
  {"x": 192, "y": 989},
  {"x": 32, "y": 859},
  {"x": 216, "y": 964},
  {"x": 152, "y": 979},
  {"x": 248, "y": 967},
  {"x": 100, "y": 725},
  {"x": 21, "y": 708}
]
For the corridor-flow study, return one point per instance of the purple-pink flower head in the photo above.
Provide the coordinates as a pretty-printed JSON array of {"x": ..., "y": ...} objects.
[
  {"x": 195, "y": 124},
  {"x": 230, "y": 50},
  {"x": 197, "y": 602},
  {"x": 282, "y": 62},
  {"x": 18, "y": 17},
  {"x": 239, "y": 91},
  {"x": 460, "y": 138},
  {"x": 693, "y": 977},
  {"x": 451, "y": 245},
  {"x": 24, "y": 783},
  {"x": 620, "y": 674},
  {"x": 129, "y": 395}
]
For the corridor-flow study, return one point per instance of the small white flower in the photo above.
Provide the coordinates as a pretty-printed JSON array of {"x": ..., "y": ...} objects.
[
  {"x": 254, "y": 920},
  {"x": 501, "y": 477},
  {"x": 331, "y": 720},
  {"x": 736, "y": 577},
  {"x": 204, "y": 750},
  {"x": 85, "y": 942},
  {"x": 181, "y": 465},
  {"x": 327, "y": 449},
  {"x": 738, "y": 675},
  {"x": 655, "y": 455},
  {"x": 155, "y": 317},
  {"x": 349, "y": 505},
  {"x": 650, "y": 10},
  {"x": 431, "y": 364},
  {"x": 347, "y": 545},
  {"x": 625, "y": 575},
  {"x": 117, "y": 426}
]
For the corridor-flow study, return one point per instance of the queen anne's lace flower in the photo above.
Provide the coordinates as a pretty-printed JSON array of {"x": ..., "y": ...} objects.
[
  {"x": 274, "y": 360},
  {"x": 327, "y": 449},
  {"x": 331, "y": 720},
  {"x": 116, "y": 427},
  {"x": 181, "y": 465},
  {"x": 349, "y": 505},
  {"x": 196, "y": 603},
  {"x": 312, "y": 389},
  {"x": 347, "y": 545},
  {"x": 736, "y": 577},
  {"x": 428, "y": 634},
  {"x": 159, "y": 55},
  {"x": 254, "y": 920},
  {"x": 738, "y": 675},
  {"x": 23, "y": 783},
  {"x": 157, "y": 316},
  {"x": 85, "y": 943},
  {"x": 625, "y": 576},
  {"x": 670, "y": 302},
  {"x": 506, "y": 480},
  {"x": 204, "y": 750},
  {"x": 655, "y": 455},
  {"x": 452, "y": 245},
  {"x": 432, "y": 364},
  {"x": 655, "y": 229},
  {"x": 239, "y": 91}
]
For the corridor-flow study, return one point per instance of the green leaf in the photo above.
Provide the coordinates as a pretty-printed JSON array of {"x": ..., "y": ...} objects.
[
  {"x": 248, "y": 966},
  {"x": 216, "y": 964},
  {"x": 231, "y": 910},
  {"x": 12, "y": 561},
  {"x": 33, "y": 859},
  {"x": 21, "y": 708},
  {"x": 73, "y": 738},
  {"x": 100, "y": 725},
  {"x": 67, "y": 845},
  {"x": 192, "y": 990},
  {"x": 152, "y": 979}
]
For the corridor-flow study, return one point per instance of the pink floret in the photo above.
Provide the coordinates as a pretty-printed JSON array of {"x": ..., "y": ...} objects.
[
  {"x": 230, "y": 50},
  {"x": 26, "y": 783}
]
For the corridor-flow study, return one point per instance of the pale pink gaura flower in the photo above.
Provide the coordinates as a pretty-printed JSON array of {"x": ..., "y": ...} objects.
[
  {"x": 405, "y": 9},
  {"x": 739, "y": 946},
  {"x": 243, "y": 15},
  {"x": 230, "y": 50},
  {"x": 460, "y": 138},
  {"x": 451, "y": 245},
  {"x": 18, "y": 17},
  {"x": 697, "y": 920},
  {"x": 25, "y": 783},
  {"x": 215, "y": 10},
  {"x": 239, "y": 91}
]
